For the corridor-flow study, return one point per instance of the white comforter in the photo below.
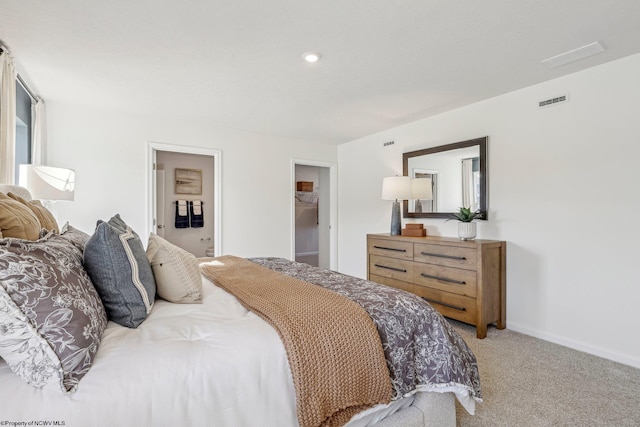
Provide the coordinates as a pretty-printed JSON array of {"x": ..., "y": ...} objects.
[{"x": 209, "y": 364}]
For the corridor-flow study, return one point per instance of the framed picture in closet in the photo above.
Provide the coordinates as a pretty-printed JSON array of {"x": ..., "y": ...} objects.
[{"x": 188, "y": 181}]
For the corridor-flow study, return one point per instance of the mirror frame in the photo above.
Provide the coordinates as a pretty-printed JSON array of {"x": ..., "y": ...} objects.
[{"x": 484, "y": 201}]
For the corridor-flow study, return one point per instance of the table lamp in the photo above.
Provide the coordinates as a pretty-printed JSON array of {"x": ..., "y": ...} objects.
[
  {"x": 48, "y": 184},
  {"x": 396, "y": 188}
]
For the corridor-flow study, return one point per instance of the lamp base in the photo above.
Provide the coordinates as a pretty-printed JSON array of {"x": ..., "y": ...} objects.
[
  {"x": 395, "y": 219},
  {"x": 51, "y": 207}
]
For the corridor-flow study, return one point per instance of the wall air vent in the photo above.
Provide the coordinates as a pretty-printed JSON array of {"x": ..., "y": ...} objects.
[
  {"x": 554, "y": 101},
  {"x": 386, "y": 144}
]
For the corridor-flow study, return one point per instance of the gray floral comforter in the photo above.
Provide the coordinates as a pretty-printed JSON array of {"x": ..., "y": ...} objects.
[{"x": 422, "y": 350}]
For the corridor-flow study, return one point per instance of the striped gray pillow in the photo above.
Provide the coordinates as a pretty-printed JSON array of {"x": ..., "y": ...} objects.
[{"x": 118, "y": 266}]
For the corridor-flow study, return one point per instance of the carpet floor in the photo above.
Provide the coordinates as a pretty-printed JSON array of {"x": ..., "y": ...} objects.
[{"x": 530, "y": 382}]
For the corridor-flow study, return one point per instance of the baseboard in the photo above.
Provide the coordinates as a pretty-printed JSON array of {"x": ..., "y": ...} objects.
[{"x": 576, "y": 345}]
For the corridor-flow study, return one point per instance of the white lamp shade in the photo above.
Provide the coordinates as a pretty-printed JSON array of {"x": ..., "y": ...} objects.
[
  {"x": 421, "y": 189},
  {"x": 47, "y": 182},
  {"x": 396, "y": 188}
]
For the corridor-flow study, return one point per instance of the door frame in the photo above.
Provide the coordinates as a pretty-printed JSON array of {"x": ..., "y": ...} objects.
[
  {"x": 333, "y": 207},
  {"x": 152, "y": 148}
]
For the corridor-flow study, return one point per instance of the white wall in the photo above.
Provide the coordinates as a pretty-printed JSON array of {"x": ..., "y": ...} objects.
[
  {"x": 563, "y": 192},
  {"x": 108, "y": 150}
]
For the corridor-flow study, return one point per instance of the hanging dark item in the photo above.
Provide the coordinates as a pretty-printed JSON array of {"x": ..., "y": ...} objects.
[
  {"x": 182, "y": 214},
  {"x": 196, "y": 213}
]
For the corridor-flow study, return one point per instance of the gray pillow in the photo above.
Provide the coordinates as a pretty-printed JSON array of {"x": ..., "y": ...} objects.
[
  {"x": 51, "y": 317},
  {"x": 118, "y": 266},
  {"x": 117, "y": 222}
]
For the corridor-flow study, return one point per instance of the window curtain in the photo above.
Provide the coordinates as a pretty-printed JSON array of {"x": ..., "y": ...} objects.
[
  {"x": 7, "y": 117},
  {"x": 38, "y": 132},
  {"x": 468, "y": 195}
]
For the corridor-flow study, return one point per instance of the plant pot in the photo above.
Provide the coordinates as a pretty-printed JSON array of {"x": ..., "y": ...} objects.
[{"x": 467, "y": 230}]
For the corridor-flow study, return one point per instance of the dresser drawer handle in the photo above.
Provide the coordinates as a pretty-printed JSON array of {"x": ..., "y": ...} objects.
[
  {"x": 390, "y": 249},
  {"x": 455, "y": 307},
  {"x": 401, "y": 270},
  {"x": 444, "y": 279},
  {"x": 459, "y": 258}
]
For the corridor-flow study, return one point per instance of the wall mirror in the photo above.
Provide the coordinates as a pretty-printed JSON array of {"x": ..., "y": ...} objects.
[{"x": 454, "y": 175}]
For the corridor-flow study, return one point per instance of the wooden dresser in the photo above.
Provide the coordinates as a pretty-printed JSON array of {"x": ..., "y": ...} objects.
[{"x": 463, "y": 280}]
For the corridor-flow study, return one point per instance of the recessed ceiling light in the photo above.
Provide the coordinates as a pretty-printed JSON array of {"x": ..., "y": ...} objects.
[{"x": 311, "y": 56}]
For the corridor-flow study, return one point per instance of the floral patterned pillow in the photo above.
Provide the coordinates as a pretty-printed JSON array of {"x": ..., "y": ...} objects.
[
  {"x": 51, "y": 317},
  {"x": 77, "y": 237}
]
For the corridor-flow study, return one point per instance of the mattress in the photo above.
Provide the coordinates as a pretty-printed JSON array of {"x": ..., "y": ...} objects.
[{"x": 186, "y": 364}]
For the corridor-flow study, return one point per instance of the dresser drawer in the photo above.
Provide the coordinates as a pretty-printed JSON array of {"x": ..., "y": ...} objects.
[
  {"x": 390, "y": 267},
  {"x": 450, "y": 256},
  {"x": 450, "y": 305},
  {"x": 391, "y": 248},
  {"x": 448, "y": 279}
]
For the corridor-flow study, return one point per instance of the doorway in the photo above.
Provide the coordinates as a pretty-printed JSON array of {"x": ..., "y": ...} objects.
[
  {"x": 184, "y": 197},
  {"x": 314, "y": 213}
]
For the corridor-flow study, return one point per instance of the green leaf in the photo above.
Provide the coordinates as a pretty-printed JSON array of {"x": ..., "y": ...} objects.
[{"x": 465, "y": 215}]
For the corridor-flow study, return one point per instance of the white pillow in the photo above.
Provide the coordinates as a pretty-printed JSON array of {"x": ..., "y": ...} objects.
[{"x": 177, "y": 272}]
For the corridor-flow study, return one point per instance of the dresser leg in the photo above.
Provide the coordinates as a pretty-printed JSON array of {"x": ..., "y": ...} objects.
[
  {"x": 502, "y": 320},
  {"x": 481, "y": 331}
]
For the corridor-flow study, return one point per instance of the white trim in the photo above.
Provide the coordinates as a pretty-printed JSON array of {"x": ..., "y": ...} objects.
[
  {"x": 152, "y": 147},
  {"x": 576, "y": 345},
  {"x": 333, "y": 207}
]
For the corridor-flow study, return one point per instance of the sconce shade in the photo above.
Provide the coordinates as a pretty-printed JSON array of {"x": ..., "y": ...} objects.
[
  {"x": 396, "y": 188},
  {"x": 47, "y": 182},
  {"x": 421, "y": 189}
]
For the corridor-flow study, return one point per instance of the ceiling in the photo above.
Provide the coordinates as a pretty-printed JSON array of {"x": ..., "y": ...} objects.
[{"x": 239, "y": 64}]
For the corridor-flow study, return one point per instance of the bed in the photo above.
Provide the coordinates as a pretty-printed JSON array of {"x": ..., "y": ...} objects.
[{"x": 215, "y": 362}]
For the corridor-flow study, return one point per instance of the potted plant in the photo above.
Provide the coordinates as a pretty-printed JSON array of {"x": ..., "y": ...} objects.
[{"x": 467, "y": 229}]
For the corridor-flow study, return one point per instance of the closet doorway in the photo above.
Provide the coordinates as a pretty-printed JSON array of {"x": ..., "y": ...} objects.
[
  {"x": 184, "y": 197},
  {"x": 314, "y": 213}
]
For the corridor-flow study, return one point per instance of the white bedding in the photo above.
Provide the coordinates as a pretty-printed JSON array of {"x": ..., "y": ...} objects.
[{"x": 186, "y": 364}]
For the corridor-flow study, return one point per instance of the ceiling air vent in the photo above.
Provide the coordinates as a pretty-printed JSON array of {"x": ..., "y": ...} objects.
[
  {"x": 554, "y": 101},
  {"x": 574, "y": 55}
]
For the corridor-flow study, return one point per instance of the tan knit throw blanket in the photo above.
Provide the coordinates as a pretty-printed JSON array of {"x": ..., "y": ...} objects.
[{"x": 334, "y": 350}]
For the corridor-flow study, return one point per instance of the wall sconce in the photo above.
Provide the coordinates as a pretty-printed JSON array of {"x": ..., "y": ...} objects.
[{"x": 396, "y": 188}]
